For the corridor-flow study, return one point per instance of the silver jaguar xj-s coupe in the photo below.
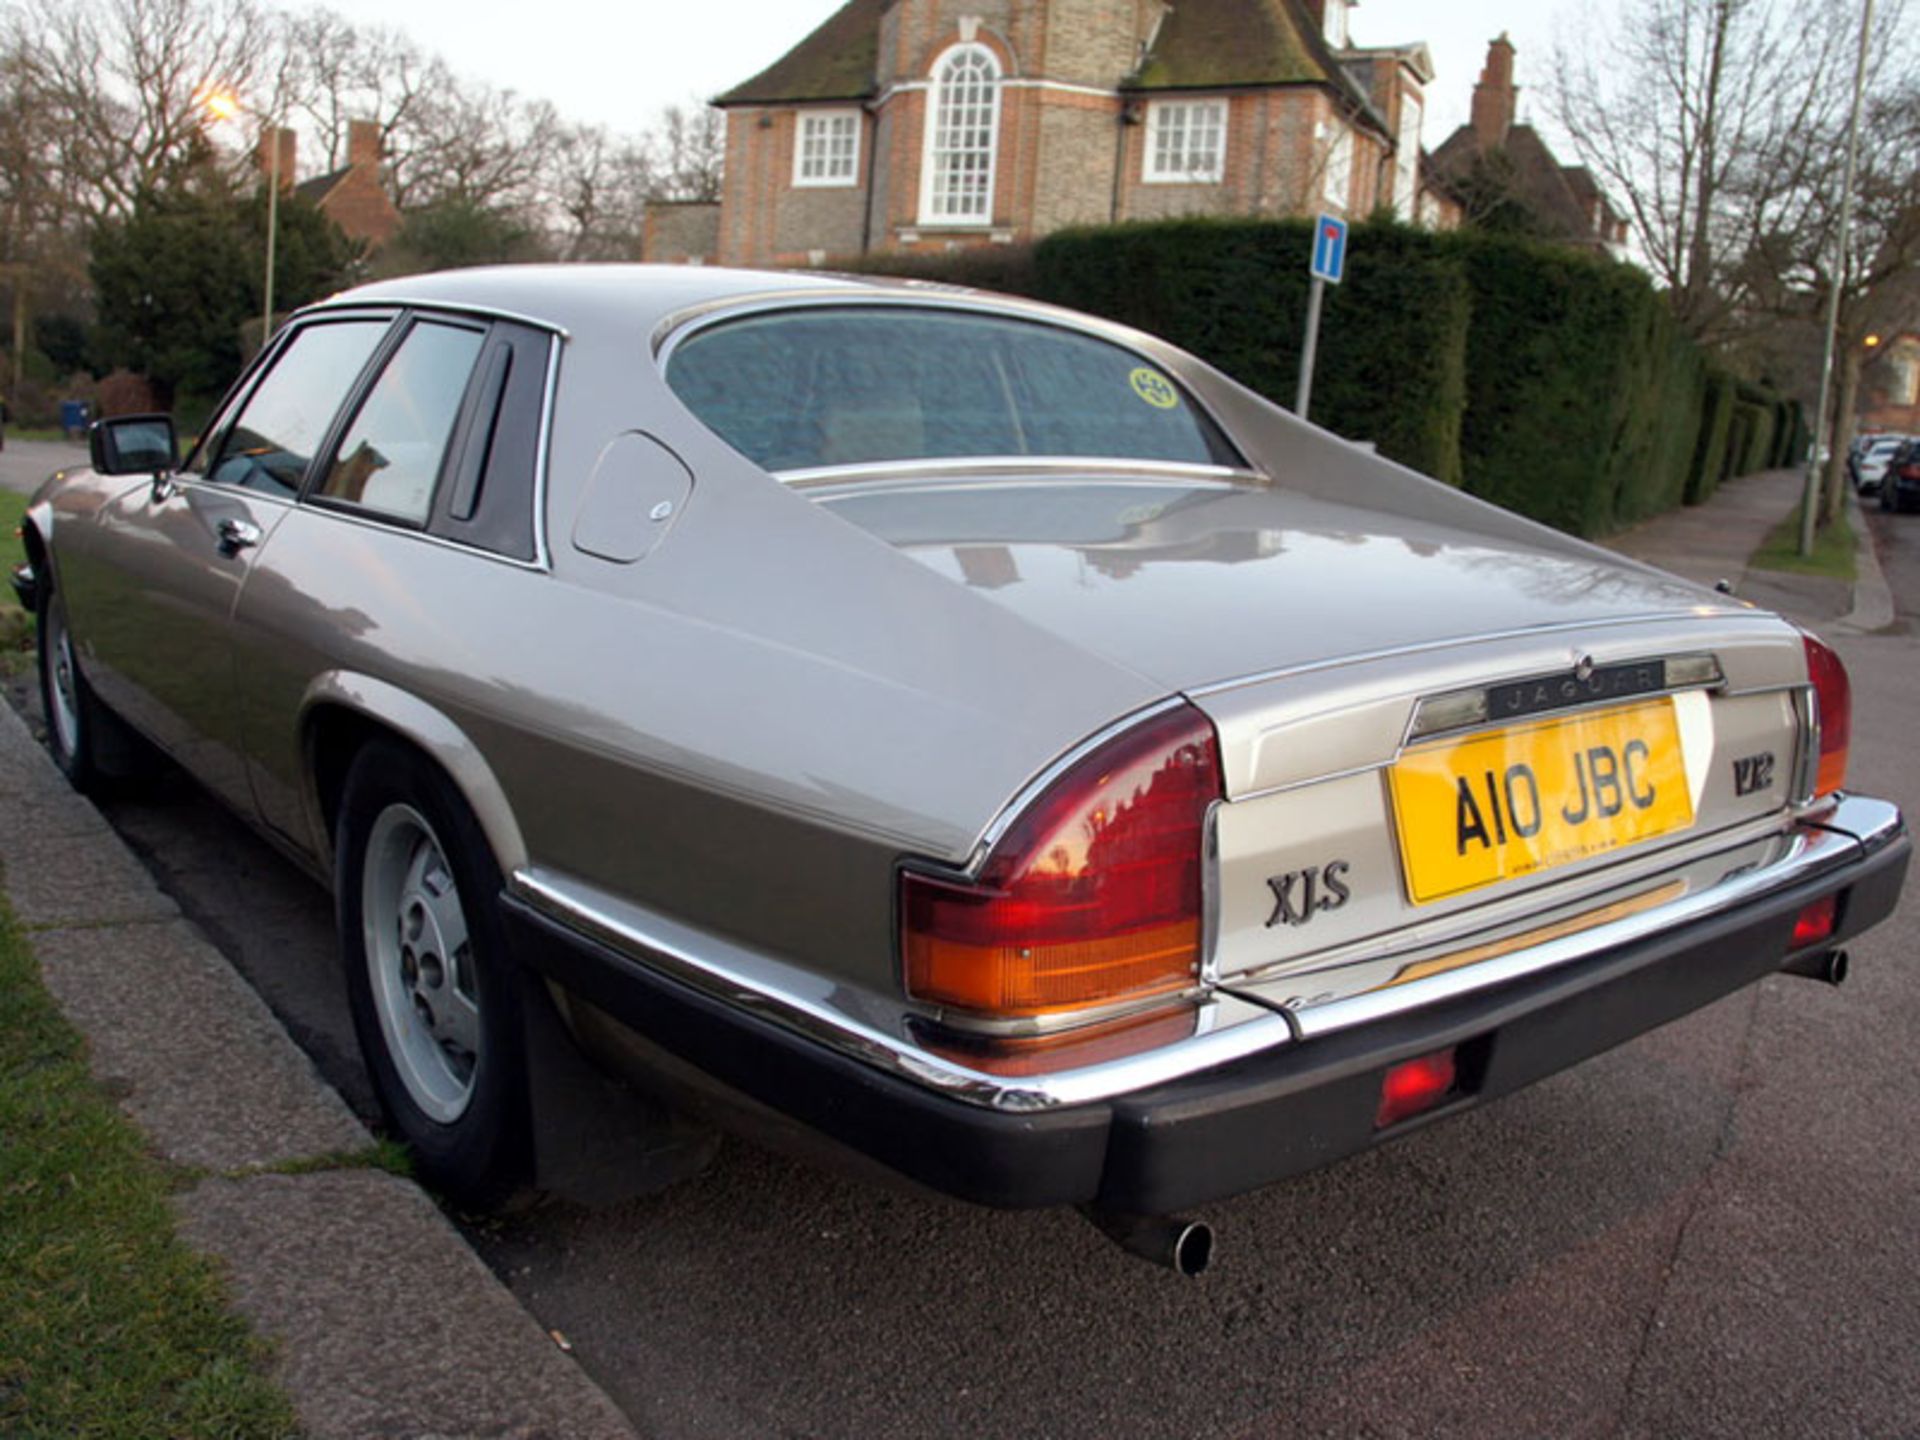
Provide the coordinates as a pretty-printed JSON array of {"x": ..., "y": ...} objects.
[{"x": 983, "y": 740}]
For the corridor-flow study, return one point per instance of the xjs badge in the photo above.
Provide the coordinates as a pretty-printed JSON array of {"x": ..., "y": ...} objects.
[{"x": 1299, "y": 895}]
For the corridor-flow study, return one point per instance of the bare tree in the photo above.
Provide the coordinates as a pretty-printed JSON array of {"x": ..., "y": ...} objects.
[
  {"x": 337, "y": 72},
  {"x": 125, "y": 80},
  {"x": 598, "y": 192},
  {"x": 689, "y": 146},
  {"x": 1712, "y": 121},
  {"x": 1877, "y": 269}
]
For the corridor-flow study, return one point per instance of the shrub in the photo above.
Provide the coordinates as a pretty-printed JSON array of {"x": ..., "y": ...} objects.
[{"x": 1548, "y": 380}]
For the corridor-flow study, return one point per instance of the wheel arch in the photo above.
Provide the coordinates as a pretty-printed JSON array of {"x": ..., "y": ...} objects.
[{"x": 342, "y": 711}]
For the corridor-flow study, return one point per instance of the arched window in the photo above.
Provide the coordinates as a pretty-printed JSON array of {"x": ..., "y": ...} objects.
[{"x": 963, "y": 129}]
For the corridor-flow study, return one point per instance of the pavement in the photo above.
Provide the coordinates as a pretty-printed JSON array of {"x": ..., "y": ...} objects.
[{"x": 382, "y": 1320}]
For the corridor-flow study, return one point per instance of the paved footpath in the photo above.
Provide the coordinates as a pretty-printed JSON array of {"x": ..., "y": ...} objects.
[
  {"x": 385, "y": 1322},
  {"x": 25, "y": 463}
]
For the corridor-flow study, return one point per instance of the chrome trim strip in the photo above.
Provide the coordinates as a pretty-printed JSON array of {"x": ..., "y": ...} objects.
[
  {"x": 722, "y": 969},
  {"x": 1414, "y": 732},
  {"x": 1094, "y": 466},
  {"x": 1032, "y": 790},
  {"x": 1430, "y": 647},
  {"x": 1852, "y": 829},
  {"x": 543, "y": 457},
  {"x": 447, "y": 307},
  {"x": 390, "y": 527},
  {"x": 1806, "y": 769}
]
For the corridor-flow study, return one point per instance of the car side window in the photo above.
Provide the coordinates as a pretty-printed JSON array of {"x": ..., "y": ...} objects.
[
  {"x": 284, "y": 421},
  {"x": 391, "y": 456}
]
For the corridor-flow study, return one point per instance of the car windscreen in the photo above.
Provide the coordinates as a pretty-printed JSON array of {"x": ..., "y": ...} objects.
[{"x": 818, "y": 388}]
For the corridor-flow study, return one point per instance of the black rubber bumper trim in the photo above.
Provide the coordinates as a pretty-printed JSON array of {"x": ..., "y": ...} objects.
[
  {"x": 1228, "y": 1130},
  {"x": 992, "y": 1157},
  {"x": 1293, "y": 1110}
]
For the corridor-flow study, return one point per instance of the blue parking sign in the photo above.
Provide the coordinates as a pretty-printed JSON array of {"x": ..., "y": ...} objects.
[{"x": 1329, "y": 249}]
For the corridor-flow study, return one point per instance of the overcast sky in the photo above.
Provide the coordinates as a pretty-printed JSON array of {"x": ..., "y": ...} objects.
[{"x": 618, "y": 66}]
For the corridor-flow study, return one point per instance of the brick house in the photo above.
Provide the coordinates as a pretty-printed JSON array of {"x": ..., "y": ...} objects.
[
  {"x": 1890, "y": 387},
  {"x": 352, "y": 196},
  {"x": 931, "y": 124},
  {"x": 1563, "y": 202}
]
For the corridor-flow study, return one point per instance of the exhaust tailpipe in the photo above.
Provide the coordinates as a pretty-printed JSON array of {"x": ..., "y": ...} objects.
[
  {"x": 1185, "y": 1246},
  {"x": 1827, "y": 965}
]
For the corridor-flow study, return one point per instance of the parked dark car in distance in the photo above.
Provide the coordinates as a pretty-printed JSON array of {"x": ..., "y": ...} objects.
[{"x": 1900, "y": 480}]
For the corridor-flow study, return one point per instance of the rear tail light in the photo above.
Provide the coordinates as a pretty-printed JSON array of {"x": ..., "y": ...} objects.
[
  {"x": 1416, "y": 1086},
  {"x": 1093, "y": 896},
  {"x": 1816, "y": 922},
  {"x": 1833, "y": 695}
]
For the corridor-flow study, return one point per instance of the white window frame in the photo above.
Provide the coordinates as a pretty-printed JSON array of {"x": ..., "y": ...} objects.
[
  {"x": 1177, "y": 122},
  {"x": 936, "y": 195},
  {"x": 1337, "y": 184},
  {"x": 1406, "y": 164},
  {"x": 814, "y": 143}
]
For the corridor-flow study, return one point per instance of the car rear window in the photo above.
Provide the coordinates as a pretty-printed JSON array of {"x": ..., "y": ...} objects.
[{"x": 807, "y": 389}]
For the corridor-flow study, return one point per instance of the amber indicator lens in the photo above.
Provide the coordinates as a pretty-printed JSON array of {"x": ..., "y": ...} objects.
[
  {"x": 1816, "y": 922},
  {"x": 1093, "y": 896},
  {"x": 1415, "y": 1086}
]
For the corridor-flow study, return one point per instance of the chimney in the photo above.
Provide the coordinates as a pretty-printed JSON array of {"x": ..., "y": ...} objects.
[
  {"x": 1495, "y": 97},
  {"x": 284, "y": 138},
  {"x": 363, "y": 145}
]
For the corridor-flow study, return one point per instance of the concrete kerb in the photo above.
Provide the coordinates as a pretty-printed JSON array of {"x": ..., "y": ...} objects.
[
  {"x": 383, "y": 1320},
  {"x": 1872, "y": 595}
]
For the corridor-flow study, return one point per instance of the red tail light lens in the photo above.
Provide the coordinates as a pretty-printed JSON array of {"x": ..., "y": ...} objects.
[
  {"x": 1834, "y": 693},
  {"x": 1815, "y": 923},
  {"x": 1415, "y": 1086},
  {"x": 1093, "y": 895}
]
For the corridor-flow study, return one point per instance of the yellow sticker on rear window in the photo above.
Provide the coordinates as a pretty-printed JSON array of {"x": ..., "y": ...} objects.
[{"x": 1154, "y": 388}]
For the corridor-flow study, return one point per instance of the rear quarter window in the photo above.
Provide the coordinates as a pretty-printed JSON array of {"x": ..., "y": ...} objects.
[{"x": 818, "y": 388}]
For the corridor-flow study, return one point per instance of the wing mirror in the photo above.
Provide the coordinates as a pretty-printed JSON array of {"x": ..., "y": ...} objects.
[{"x": 134, "y": 445}]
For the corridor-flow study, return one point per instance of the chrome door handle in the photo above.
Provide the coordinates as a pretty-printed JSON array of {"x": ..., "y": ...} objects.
[{"x": 237, "y": 535}]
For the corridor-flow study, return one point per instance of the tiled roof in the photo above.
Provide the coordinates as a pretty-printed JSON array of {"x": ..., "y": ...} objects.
[
  {"x": 1222, "y": 44},
  {"x": 1204, "y": 44},
  {"x": 1552, "y": 191},
  {"x": 835, "y": 62},
  {"x": 321, "y": 186}
]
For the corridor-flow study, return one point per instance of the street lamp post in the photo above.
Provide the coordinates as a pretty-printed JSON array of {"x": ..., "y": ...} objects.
[
  {"x": 225, "y": 105},
  {"x": 273, "y": 231},
  {"x": 1810, "y": 502}
]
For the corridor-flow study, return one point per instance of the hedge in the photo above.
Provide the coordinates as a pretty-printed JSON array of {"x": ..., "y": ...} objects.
[
  {"x": 1716, "y": 428},
  {"x": 1548, "y": 380},
  {"x": 1235, "y": 292}
]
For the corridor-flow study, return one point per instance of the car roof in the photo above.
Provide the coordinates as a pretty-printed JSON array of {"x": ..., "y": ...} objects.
[{"x": 574, "y": 297}]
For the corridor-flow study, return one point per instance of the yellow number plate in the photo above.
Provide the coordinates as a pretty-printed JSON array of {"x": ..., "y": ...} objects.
[{"x": 1475, "y": 811}]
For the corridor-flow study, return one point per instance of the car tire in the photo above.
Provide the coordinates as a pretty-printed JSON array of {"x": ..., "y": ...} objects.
[
  {"x": 93, "y": 747},
  {"x": 430, "y": 977}
]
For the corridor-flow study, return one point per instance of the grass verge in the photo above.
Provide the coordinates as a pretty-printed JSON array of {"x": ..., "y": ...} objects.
[
  {"x": 1832, "y": 549},
  {"x": 109, "y": 1325},
  {"x": 16, "y": 626}
]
